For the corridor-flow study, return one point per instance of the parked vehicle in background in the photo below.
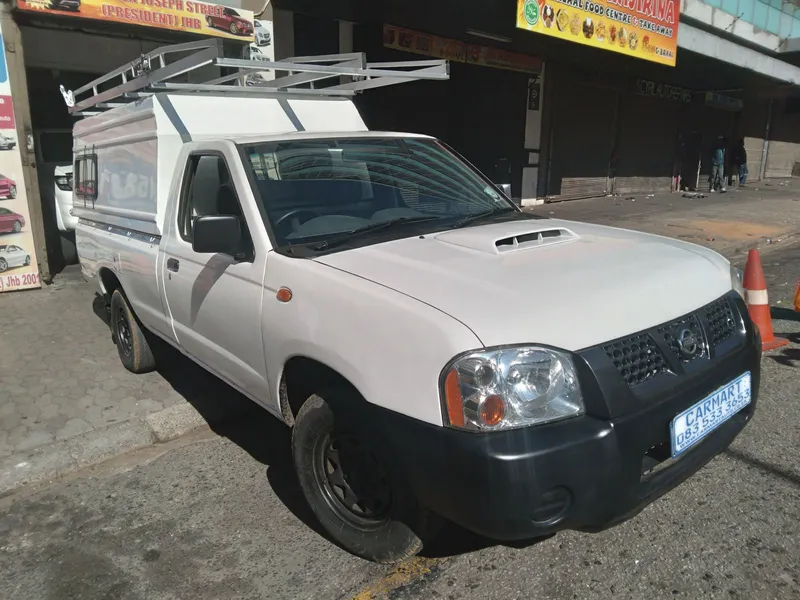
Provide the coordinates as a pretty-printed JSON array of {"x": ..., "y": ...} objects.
[
  {"x": 7, "y": 142},
  {"x": 263, "y": 37},
  {"x": 54, "y": 169},
  {"x": 11, "y": 221},
  {"x": 13, "y": 256},
  {"x": 8, "y": 187},
  {"x": 231, "y": 21},
  {"x": 375, "y": 292}
]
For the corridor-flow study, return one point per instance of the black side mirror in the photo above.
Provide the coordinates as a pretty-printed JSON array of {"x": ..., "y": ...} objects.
[{"x": 217, "y": 234}]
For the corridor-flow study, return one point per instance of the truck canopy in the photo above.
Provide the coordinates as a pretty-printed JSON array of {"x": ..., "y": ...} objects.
[{"x": 127, "y": 145}]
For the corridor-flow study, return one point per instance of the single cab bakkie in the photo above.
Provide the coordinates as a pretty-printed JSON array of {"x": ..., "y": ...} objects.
[{"x": 438, "y": 352}]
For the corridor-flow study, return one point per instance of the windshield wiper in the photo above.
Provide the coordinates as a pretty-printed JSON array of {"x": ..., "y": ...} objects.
[
  {"x": 348, "y": 235},
  {"x": 478, "y": 216}
]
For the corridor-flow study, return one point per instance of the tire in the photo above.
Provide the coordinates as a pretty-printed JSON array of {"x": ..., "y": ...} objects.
[
  {"x": 3, "y": 265},
  {"x": 390, "y": 526},
  {"x": 234, "y": 29},
  {"x": 17, "y": 226},
  {"x": 12, "y": 192},
  {"x": 129, "y": 336},
  {"x": 69, "y": 251},
  {"x": 27, "y": 261},
  {"x": 209, "y": 21}
]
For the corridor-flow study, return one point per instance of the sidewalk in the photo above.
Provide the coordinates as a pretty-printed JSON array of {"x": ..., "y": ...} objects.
[
  {"x": 759, "y": 215},
  {"x": 67, "y": 402}
]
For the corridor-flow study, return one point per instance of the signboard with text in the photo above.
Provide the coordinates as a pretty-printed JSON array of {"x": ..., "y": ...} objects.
[
  {"x": 455, "y": 51},
  {"x": 188, "y": 16},
  {"x": 19, "y": 267},
  {"x": 646, "y": 29}
]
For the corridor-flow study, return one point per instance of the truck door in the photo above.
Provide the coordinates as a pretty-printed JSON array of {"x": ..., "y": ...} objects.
[{"x": 214, "y": 300}]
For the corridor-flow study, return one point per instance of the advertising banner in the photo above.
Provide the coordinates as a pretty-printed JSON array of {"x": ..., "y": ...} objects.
[
  {"x": 646, "y": 29},
  {"x": 455, "y": 51},
  {"x": 262, "y": 48},
  {"x": 18, "y": 265},
  {"x": 178, "y": 15}
]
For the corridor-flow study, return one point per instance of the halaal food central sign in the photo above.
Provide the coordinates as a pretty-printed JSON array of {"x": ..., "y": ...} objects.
[{"x": 646, "y": 29}]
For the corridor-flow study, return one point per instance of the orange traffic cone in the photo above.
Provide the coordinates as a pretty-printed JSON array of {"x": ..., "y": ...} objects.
[
  {"x": 797, "y": 297},
  {"x": 755, "y": 288}
]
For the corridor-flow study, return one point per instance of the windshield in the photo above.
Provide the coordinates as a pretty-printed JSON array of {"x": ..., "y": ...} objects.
[{"x": 314, "y": 190}]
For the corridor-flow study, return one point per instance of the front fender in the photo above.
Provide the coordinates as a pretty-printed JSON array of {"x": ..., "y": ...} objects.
[{"x": 389, "y": 346}]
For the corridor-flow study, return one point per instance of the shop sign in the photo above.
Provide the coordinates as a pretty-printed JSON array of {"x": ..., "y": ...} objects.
[
  {"x": 178, "y": 15},
  {"x": 646, "y": 29},
  {"x": 724, "y": 102},
  {"x": 19, "y": 268},
  {"x": 664, "y": 91},
  {"x": 455, "y": 51}
]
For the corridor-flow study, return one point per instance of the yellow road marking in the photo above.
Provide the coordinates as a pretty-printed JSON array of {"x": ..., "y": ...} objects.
[{"x": 401, "y": 575}]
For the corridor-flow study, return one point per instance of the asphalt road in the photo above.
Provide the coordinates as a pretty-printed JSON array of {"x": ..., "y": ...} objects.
[{"x": 217, "y": 515}]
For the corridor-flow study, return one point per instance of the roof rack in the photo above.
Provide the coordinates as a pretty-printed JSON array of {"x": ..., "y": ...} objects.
[{"x": 153, "y": 73}]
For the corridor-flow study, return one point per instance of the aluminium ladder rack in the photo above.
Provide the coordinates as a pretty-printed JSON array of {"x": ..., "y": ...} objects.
[{"x": 153, "y": 73}]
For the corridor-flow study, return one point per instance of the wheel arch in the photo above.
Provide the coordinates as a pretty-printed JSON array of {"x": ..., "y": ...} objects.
[{"x": 303, "y": 376}]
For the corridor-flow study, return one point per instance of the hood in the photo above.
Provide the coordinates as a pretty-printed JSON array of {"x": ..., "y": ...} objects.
[{"x": 566, "y": 284}]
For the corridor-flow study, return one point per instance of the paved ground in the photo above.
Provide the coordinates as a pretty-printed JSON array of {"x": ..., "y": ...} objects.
[
  {"x": 728, "y": 223},
  {"x": 217, "y": 515}
]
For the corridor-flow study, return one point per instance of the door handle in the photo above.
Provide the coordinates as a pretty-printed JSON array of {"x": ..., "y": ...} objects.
[{"x": 173, "y": 265}]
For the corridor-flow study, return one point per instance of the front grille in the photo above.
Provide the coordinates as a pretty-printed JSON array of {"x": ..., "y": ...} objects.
[
  {"x": 671, "y": 333},
  {"x": 637, "y": 358},
  {"x": 646, "y": 355},
  {"x": 720, "y": 320}
]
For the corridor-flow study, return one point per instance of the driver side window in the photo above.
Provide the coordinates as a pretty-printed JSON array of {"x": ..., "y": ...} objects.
[{"x": 208, "y": 190}]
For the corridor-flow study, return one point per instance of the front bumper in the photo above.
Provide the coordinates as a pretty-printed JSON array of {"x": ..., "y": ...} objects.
[{"x": 585, "y": 473}]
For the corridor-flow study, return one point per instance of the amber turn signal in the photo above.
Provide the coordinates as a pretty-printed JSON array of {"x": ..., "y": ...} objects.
[
  {"x": 492, "y": 410},
  {"x": 453, "y": 399},
  {"x": 284, "y": 294}
]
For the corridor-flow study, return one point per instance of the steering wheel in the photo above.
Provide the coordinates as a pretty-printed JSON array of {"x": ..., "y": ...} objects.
[{"x": 296, "y": 213}]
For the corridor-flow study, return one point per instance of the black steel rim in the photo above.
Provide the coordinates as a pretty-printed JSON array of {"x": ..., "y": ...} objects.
[
  {"x": 352, "y": 481},
  {"x": 124, "y": 338}
]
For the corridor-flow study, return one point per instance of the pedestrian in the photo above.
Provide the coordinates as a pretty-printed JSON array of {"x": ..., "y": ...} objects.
[
  {"x": 717, "y": 178},
  {"x": 739, "y": 162}
]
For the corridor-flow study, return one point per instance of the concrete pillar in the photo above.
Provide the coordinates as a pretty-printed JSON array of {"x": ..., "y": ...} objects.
[{"x": 533, "y": 140}]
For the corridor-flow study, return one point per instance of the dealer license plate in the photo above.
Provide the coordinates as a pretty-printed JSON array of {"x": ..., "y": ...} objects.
[{"x": 693, "y": 424}]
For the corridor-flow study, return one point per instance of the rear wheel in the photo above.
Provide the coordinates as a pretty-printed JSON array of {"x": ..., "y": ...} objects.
[
  {"x": 362, "y": 504},
  {"x": 27, "y": 261},
  {"x": 129, "y": 336},
  {"x": 209, "y": 21}
]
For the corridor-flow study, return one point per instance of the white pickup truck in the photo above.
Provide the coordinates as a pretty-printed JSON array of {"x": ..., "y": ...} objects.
[{"x": 437, "y": 351}]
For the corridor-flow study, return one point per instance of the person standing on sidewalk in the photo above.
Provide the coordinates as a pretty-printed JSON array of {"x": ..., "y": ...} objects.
[
  {"x": 717, "y": 178},
  {"x": 739, "y": 162}
]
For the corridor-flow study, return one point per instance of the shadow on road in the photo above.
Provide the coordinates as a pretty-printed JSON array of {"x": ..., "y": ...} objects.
[
  {"x": 784, "y": 314},
  {"x": 759, "y": 464}
]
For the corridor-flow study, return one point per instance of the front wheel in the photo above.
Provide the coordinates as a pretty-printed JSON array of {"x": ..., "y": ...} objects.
[
  {"x": 12, "y": 193},
  {"x": 132, "y": 346},
  {"x": 27, "y": 261},
  {"x": 362, "y": 504},
  {"x": 17, "y": 226},
  {"x": 3, "y": 265},
  {"x": 209, "y": 21},
  {"x": 234, "y": 28}
]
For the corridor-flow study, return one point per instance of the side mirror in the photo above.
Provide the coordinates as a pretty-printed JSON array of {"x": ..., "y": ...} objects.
[
  {"x": 506, "y": 187},
  {"x": 217, "y": 234}
]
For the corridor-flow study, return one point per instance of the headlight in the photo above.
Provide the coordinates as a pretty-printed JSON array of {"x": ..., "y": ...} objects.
[
  {"x": 507, "y": 388},
  {"x": 64, "y": 183},
  {"x": 737, "y": 280}
]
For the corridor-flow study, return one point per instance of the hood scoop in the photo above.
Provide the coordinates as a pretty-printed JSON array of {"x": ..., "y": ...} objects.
[
  {"x": 534, "y": 239},
  {"x": 503, "y": 238}
]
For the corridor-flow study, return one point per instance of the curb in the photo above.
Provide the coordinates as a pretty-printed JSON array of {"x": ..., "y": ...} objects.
[{"x": 57, "y": 459}]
